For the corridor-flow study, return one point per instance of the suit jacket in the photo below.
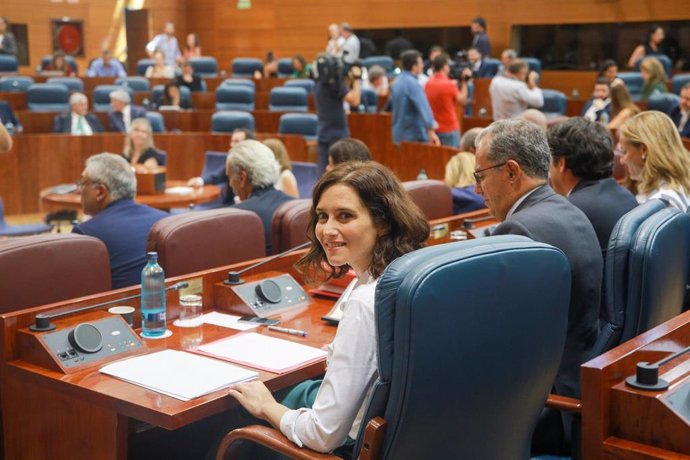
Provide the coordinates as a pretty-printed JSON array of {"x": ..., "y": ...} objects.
[
  {"x": 117, "y": 123},
  {"x": 124, "y": 228},
  {"x": 481, "y": 42},
  {"x": 264, "y": 202},
  {"x": 9, "y": 44},
  {"x": 675, "y": 116},
  {"x": 483, "y": 72},
  {"x": 550, "y": 218},
  {"x": 63, "y": 123}
]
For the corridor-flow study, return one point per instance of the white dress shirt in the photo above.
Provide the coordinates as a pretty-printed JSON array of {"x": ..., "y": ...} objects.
[
  {"x": 85, "y": 126},
  {"x": 510, "y": 97},
  {"x": 352, "y": 370},
  {"x": 127, "y": 117}
]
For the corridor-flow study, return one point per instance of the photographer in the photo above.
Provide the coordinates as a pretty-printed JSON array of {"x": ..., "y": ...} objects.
[
  {"x": 444, "y": 94},
  {"x": 514, "y": 92},
  {"x": 329, "y": 94}
]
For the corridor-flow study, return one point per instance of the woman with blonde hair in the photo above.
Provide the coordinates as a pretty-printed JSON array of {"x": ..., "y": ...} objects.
[
  {"x": 622, "y": 106},
  {"x": 287, "y": 182},
  {"x": 655, "y": 158},
  {"x": 459, "y": 178},
  {"x": 654, "y": 78},
  {"x": 139, "y": 148}
]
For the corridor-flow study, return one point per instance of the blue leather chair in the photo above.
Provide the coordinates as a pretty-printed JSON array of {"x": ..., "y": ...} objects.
[
  {"x": 678, "y": 81},
  {"x": 533, "y": 63},
  {"x": 665, "y": 62},
  {"x": 245, "y": 67},
  {"x": 287, "y": 99},
  {"x": 235, "y": 97},
  {"x": 370, "y": 100},
  {"x": 463, "y": 370},
  {"x": 15, "y": 84},
  {"x": 205, "y": 66},
  {"x": 214, "y": 162},
  {"x": 157, "y": 121},
  {"x": 142, "y": 65},
  {"x": 101, "y": 96},
  {"x": 72, "y": 83},
  {"x": 136, "y": 83},
  {"x": 663, "y": 102},
  {"x": 306, "y": 174},
  {"x": 301, "y": 83},
  {"x": 285, "y": 67},
  {"x": 633, "y": 82},
  {"x": 239, "y": 81},
  {"x": 157, "y": 93},
  {"x": 384, "y": 61},
  {"x": 226, "y": 121},
  {"x": 20, "y": 230},
  {"x": 304, "y": 124},
  {"x": 492, "y": 65},
  {"x": 47, "y": 97},
  {"x": 8, "y": 63},
  {"x": 46, "y": 60},
  {"x": 554, "y": 102}
]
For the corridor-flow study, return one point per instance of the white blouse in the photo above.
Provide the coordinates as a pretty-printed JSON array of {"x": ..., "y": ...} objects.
[{"x": 676, "y": 199}]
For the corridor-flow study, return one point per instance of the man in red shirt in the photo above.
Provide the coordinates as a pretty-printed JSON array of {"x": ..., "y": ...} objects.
[{"x": 443, "y": 94}]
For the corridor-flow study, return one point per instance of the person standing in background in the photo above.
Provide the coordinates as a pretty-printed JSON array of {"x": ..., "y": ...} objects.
[
  {"x": 8, "y": 45},
  {"x": 166, "y": 42},
  {"x": 480, "y": 41},
  {"x": 350, "y": 46}
]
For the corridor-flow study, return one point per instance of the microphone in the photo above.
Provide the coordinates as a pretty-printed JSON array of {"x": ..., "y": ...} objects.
[
  {"x": 647, "y": 374},
  {"x": 234, "y": 277},
  {"x": 42, "y": 320}
]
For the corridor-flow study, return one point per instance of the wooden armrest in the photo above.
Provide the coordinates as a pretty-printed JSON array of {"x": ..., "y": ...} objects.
[
  {"x": 268, "y": 437},
  {"x": 564, "y": 403},
  {"x": 373, "y": 439}
]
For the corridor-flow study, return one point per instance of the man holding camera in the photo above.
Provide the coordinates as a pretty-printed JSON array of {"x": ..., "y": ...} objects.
[
  {"x": 514, "y": 92},
  {"x": 444, "y": 94}
]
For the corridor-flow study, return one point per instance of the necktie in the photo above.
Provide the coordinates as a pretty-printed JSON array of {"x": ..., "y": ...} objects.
[{"x": 80, "y": 125}]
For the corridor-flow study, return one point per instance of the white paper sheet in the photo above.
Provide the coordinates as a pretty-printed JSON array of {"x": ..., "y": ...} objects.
[{"x": 225, "y": 320}]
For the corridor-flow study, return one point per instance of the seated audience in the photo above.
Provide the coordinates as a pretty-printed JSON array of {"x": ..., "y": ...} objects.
[
  {"x": 253, "y": 171},
  {"x": 377, "y": 80},
  {"x": 192, "y": 46},
  {"x": 78, "y": 120},
  {"x": 106, "y": 66},
  {"x": 513, "y": 160},
  {"x": 58, "y": 65},
  {"x": 608, "y": 70},
  {"x": 652, "y": 45},
  {"x": 5, "y": 140},
  {"x": 478, "y": 67},
  {"x": 444, "y": 95},
  {"x": 172, "y": 97},
  {"x": 361, "y": 219},
  {"x": 300, "y": 68},
  {"x": 108, "y": 186},
  {"x": 188, "y": 78},
  {"x": 536, "y": 117},
  {"x": 8, "y": 44},
  {"x": 159, "y": 69},
  {"x": 459, "y": 178},
  {"x": 122, "y": 112},
  {"x": 287, "y": 182},
  {"x": 598, "y": 107},
  {"x": 139, "y": 148},
  {"x": 468, "y": 140},
  {"x": 655, "y": 158},
  {"x": 582, "y": 170},
  {"x": 681, "y": 114},
  {"x": 515, "y": 91},
  {"x": 654, "y": 78},
  {"x": 347, "y": 149},
  {"x": 622, "y": 106},
  {"x": 428, "y": 63},
  {"x": 165, "y": 42}
]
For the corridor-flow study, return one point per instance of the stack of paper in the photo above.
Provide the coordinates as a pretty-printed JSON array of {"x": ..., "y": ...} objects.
[
  {"x": 225, "y": 320},
  {"x": 263, "y": 352},
  {"x": 178, "y": 374}
]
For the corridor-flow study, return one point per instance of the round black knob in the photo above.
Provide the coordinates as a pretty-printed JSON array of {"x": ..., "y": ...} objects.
[
  {"x": 269, "y": 290},
  {"x": 86, "y": 337}
]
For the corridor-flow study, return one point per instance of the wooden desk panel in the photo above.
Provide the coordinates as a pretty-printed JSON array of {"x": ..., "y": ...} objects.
[{"x": 413, "y": 156}]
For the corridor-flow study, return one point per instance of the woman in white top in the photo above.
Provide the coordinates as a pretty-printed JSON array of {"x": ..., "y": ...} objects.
[
  {"x": 287, "y": 182},
  {"x": 361, "y": 218},
  {"x": 159, "y": 69},
  {"x": 655, "y": 158}
]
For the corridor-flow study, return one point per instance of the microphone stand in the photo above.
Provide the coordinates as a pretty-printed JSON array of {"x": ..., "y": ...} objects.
[{"x": 234, "y": 277}]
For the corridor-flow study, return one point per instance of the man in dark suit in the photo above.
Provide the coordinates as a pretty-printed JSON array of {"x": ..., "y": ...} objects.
[
  {"x": 78, "y": 120},
  {"x": 480, "y": 39},
  {"x": 108, "y": 187},
  {"x": 681, "y": 114},
  {"x": 598, "y": 107},
  {"x": 123, "y": 112},
  {"x": 253, "y": 171},
  {"x": 478, "y": 68},
  {"x": 8, "y": 44},
  {"x": 581, "y": 170},
  {"x": 512, "y": 168}
]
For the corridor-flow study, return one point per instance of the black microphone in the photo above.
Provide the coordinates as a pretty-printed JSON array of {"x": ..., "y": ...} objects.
[
  {"x": 234, "y": 277},
  {"x": 43, "y": 323},
  {"x": 647, "y": 374}
]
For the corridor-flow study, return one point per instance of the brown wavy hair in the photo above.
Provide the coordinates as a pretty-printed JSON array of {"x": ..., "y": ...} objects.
[{"x": 405, "y": 228}]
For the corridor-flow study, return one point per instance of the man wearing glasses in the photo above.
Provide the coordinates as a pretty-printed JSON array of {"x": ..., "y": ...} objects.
[
  {"x": 108, "y": 186},
  {"x": 512, "y": 169}
]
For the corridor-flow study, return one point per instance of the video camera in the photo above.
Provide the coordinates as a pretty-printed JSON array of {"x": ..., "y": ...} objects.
[
  {"x": 330, "y": 69},
  {"x": 458, "y": 66}
]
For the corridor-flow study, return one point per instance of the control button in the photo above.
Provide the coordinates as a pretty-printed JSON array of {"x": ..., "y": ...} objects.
[
  {"x": 72, "y": 353},
  {"x": 63, "y": 356}
]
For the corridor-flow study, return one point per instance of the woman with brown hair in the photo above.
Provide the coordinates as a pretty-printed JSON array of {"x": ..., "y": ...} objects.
[
  {"x": 286, "y": 181},
  {"x": 622, "y": 106},
  {"x": 654, "y": 78}
]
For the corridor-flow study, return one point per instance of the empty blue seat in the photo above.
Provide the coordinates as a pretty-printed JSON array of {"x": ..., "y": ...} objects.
[
  {"x": 46, "y": 60},
  {"x": 304, "y": 124},
  {"x": 234, "y": 97},
  {"x": 136, "y": 83},
  {"x": 678, "y": 81},
  {"x": 306, "y": 174},
  {"x": 533, "y": 63},
  {"x": 101, "y": 96},
  {"x": 47, "y": 97},
  {"x": 226, "y": 121},
  {"x": 245, "y": 67},
  {"x": 214, "y": 163},
  {"x": 663, "y": 59},
  {"x": 663, "y": 102},
  {"x": 285, "y": 67},
  {"x": 301, "y": 83},
  {"x": 384, "y": 61},
  {"x": 157, "y": 121},
  {"x": 157, "y": 94},
  {"x": 15, "y": 84},
  {"x": 491, "y": 65},
  {"x": 142, "y": 65},
  {"x": 633, "y": 82},
  {"x": 72, "y": 83},
  {"x": 205, "y": 66},
  {"x": 8, "y": 63},
  {"x": 369, "y": 100},
  {"x": 554, "y": 102},
  {"x": 20, "y": 230},
  {"x": 239, "y": 81},
  {"x": 288, "y": 99}
]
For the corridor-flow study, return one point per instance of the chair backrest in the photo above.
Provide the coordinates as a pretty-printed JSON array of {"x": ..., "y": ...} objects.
[
  {"x": 214, "y": 161},
  {"x": 49, "y": 268},
  {"x": 306, "y": 175},
  {"x": 200, "y": 240},
  {"x": 15, "y": 84},
  {"x": 143, "y": 64},
  {"x": 301, "y": 83},
  {"x": 47, "y": 97},
  {"x": 384, "y": 61},
  {"x": 245, "y": 67},
  {"x": 8, "y": 63},
  {"x": 663, "y": 102},
  {"x": 157, "y": 121},
  {"x": 157, "y": 94},
  {"x": 285, "y": 67},
  {"x": 288, "y": 99},
  {"x": 101, "y": 96},
  {"x": 533, "y": 63},
  {"x": 665, "y": 62},
  {"x": 304, "y": 124},
  {"x": 465, "y": 366},
  {"x": 234, "y": 97},
  {"x": 239, "y": 81},
  {"x": 136, "y": 83},
  {"x": 69, "y": 60},
  {"x": 678, "y": 81},
  {"x": 289, "y": 225},
  {"x": 554, "y": 102},
  {"x": 205, "y": 66},
  {"x": 72, "y": 83},
  {"x": 226, "y": 121},
  {"x": 370, "y": 100},
  {"x": 491, "y": 65},
  {"x": 633, "y": 82},
  {"x": 433, "y": 197}
]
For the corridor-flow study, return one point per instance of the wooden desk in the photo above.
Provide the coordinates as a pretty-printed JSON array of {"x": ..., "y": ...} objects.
[{"x": 53, "y": 202}]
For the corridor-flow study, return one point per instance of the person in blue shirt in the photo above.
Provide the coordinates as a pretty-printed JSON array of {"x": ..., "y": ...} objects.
[
  {"x": 167, "y": 43},
  {"x": 412, "y": 117},
  {"x": 106, "y": 66}
]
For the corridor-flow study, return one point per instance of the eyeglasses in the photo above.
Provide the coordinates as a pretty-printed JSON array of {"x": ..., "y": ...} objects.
[
  {"x": 83, "y": 182},
  {"x": 478, "y": 176}
]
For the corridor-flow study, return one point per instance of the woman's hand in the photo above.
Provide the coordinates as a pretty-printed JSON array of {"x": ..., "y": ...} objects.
[{"x": 255, "y": 397}]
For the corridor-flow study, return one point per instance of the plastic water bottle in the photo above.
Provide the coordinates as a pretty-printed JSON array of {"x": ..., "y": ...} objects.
[
  {"x": 152, "y": 298},
  {"x": 604, "y": 118},
  {"x": 422, "y": 175}
]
